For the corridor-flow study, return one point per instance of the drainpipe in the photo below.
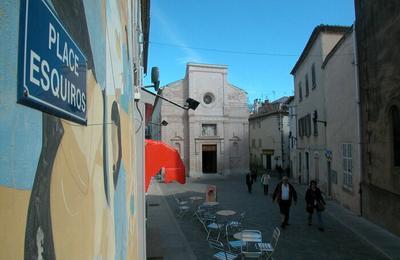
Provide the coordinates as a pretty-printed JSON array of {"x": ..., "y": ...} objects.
[{"x": 358, "y": 102}]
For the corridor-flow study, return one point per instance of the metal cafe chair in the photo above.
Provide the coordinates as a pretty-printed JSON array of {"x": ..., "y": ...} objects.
[
  {"x": 269, "y": 248},
  {"x": 233, "y": 244},
  {"x": 214, "y": 226},
  {"x": 249, "y": 239},
  {"x": 238, "y": 222},
  {"x": 182, "y": 207},
  {"x": 222, "y": 254}
]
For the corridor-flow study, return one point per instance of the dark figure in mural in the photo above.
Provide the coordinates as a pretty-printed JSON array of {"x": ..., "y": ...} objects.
[
  {"x": 38, "y": 233},
  {"x": 115, "y": 118}
]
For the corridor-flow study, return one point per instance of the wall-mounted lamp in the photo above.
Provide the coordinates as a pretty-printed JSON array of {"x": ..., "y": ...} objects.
[
  {"x": 155, "y": 75},
  {"x": 315, "y": 118},
  {"x": 191, "y": 104}
]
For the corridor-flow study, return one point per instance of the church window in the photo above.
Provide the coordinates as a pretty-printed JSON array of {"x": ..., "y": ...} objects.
[{"x": 208, "y": 98}]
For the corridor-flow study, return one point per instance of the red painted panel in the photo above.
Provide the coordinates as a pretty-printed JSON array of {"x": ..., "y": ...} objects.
[{"x": 161, "y": 155}]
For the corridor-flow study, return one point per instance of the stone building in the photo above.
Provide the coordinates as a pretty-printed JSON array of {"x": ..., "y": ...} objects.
[
  {"x": 214, "y": 137},
  {"x": 310, "y": 98},
  {"x": 378, "y": 30},
  {"x": 268, "y": 135}
]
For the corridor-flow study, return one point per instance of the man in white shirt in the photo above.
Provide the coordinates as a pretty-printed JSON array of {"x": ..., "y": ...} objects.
[{"x": 284, "y": 194}]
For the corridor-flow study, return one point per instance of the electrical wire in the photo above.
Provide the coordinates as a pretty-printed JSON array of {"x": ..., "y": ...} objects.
[
  {"x": 94, "y": 124},
  {"x": 236, "y": 51}
]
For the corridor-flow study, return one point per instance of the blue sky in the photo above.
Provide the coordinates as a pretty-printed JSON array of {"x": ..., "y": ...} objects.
[{"x": 259, "y": 40}]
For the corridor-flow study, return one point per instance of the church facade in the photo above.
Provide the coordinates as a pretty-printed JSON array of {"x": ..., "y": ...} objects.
[{"x": 213, "y": 139}]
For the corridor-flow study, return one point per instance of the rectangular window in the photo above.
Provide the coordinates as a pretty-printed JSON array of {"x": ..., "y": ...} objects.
[
  {"x": 259, "y": 143},
  {"x": 315, "y": 124},
  {"x": 347, "y": 166},
  {"x": 308, "y": 125},
  {"x": 300, "y": 127},
  {"x": 208, "y": 129},
  {"x": 300, "y": 92},
  {"x": 313, "y": 80},
  {"x": 253, "y": 142},
  {"x": 307, "y": 88},
  {"x": 299, "y": 161},
  {"x": 304, "y": 126}
]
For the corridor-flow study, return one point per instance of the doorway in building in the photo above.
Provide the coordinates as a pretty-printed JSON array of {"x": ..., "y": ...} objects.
[
  {"x": 268, "y": 164},
  {"x": 267, "y": 158},
  {"x": 209, "y": 153}
]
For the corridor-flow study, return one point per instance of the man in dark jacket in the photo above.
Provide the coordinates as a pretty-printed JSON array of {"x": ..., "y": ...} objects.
[
  {"x": 284, "y": 194},
  {"x": 249, "y": 181}
]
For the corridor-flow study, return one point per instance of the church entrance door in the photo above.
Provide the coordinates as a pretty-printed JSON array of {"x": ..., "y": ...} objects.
[{"x": 209, "y": 153}]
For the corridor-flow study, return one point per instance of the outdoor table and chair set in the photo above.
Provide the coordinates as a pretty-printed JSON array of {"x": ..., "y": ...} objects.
[{"x": 225, "y": 231}]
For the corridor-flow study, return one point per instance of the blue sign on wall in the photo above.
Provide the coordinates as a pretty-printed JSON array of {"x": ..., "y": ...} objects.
[{"x": 52, "y": 68}]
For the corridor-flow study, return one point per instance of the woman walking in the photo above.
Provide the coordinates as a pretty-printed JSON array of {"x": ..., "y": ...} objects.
[{"x": 315, "y": 202}]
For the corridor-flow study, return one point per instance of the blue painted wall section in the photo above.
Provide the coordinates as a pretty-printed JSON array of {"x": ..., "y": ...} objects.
[
  {"x": 21, "y": 127},
  {"x": 97, "y": 34},
  {"x": 127, "y": 97}
]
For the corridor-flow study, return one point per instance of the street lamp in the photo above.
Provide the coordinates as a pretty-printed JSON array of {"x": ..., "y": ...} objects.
[{"x": 155, "y": 74}]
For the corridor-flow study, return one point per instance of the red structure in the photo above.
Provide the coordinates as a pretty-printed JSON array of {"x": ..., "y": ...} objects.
[{"x": 161, "y": 155}]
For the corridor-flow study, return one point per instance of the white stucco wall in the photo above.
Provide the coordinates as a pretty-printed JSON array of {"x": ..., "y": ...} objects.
[
  {"x": 341, "y": 109},
  {"x": 313, "y": 145}
]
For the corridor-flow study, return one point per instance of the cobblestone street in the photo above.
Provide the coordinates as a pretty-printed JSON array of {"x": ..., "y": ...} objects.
[{"x": 297, "y": 241}]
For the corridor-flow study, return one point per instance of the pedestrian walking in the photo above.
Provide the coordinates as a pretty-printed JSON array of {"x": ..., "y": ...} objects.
[
  {"x": 254, "y": 174},
  {"x": 315, "y": 202},
  {"x": 265, "y": 182},
  {"x": 284, "y": 194},
  {"x": 249, "y": 181}
]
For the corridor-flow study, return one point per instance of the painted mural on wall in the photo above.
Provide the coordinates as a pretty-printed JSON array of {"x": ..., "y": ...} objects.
[{"x": 67, "y": 191}]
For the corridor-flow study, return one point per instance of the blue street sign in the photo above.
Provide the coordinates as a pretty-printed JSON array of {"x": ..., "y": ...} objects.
[{"x": 52, "y": 68}]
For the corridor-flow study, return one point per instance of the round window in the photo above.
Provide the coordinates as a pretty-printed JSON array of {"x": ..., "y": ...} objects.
[{"x": 208, "y": 98}]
